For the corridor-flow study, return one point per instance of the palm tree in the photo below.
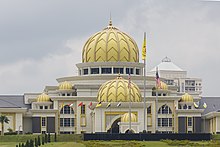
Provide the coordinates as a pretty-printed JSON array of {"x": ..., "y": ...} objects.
[{"x": 3, "y": 120}]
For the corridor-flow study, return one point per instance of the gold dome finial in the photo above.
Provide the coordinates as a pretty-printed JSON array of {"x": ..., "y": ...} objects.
[{"x": 110, "y": 21}]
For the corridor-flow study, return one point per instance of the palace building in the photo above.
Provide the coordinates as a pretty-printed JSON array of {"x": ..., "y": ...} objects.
[{"x": 107, "y": 95}]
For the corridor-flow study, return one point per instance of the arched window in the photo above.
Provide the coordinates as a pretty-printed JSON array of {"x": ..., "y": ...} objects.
[
  {"x": 67, "y": 110},
  {"x": 165, "y": 109}
]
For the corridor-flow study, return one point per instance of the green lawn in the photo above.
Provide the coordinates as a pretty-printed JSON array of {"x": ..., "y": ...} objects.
[{"x": 97, "y": 144}]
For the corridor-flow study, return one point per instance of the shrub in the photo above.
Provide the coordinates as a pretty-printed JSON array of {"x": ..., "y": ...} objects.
[
  {"x": 55, "y": 137},
  {"x": 27, "y": 143},
  {"x": 49, "y": 137},
  {"x": 43, "y": 140},
  {"x": 46, "y": 139},
  {"x": 31, "y": 143},
  {"x": 38, "y": 141}
]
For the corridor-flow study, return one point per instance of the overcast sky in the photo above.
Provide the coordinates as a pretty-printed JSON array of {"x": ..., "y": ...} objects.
[{"x": 42, "y": 40}]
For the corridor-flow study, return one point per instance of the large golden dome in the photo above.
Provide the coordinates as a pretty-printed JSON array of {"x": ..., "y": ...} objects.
[
  {"x": 117, "y": 90},
  {"x": 110, "y": 45}
]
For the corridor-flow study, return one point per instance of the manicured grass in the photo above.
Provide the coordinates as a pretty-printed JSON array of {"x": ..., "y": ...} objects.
[
  {"x": 8, "y": 144},
  {"x": 122, "y": 143},
  {"x": 64, "y": 144},
  {"x": 24, "y": 138}
]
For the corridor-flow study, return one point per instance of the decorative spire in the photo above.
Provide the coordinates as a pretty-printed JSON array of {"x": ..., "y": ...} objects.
[
  {"x": 110, "y": 21},
  {"x": 166, "y": 59}
]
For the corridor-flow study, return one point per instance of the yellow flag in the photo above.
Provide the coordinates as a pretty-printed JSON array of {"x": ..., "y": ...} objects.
[
  {"x": 99, "y": 105},
  {"x": 62, "y": 105},
  {"x": 144, "y": 48}
]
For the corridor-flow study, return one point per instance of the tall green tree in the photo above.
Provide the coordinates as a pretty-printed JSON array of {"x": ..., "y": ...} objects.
[{"x": 3, "y": 120}]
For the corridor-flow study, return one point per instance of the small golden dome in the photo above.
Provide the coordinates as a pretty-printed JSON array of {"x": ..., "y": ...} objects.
[
  {"x": 186, "y": 98},
  {"x": 163, "y": 86},
  {"x": 125, "y": 117},
  {"x": 65, "y": 86},
  {"x": 110, "y": 45},
  {"x": 117, "y": 90},
  {"x": 43, "y": 98}
]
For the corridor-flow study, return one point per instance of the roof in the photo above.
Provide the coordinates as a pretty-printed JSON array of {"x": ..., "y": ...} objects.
[
  {"x": 167, "y": 65},
  {"x": 12, "y": 101},
  {"x": 213, "y": 104}
]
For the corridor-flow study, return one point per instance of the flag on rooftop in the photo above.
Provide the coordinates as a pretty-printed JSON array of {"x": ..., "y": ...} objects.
[
  {"x": 144, "y": 48},
  {"x": 99, "y": 105},
  {"x": 205, "y": 105},
  {"x": 80, "y": 104},
  {"x": 119, "y": 104},
  {"x": 109, "y": 105},
  {"x": 158, "y": 85},
  {"x": 90, "y": 106},
  {"x": 70, "y": 104},
  {"x": 62, "y": 105}
]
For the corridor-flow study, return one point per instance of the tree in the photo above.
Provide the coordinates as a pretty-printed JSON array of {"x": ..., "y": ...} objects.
[
  {"x": 27, "y": 143},
  {"x": 48, "y": 138},
  {"x": 3, "y": 120},
  {"x": 38, "y": 140},
  {"x": 36, "y": 143},
  {"x": 31, "y": 143},
  {"x": 55, "y": 137},
  {"x": 43, "y": 140}
]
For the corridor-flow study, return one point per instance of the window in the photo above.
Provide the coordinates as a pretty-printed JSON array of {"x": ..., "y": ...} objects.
[
  {"x": 61, "y": 122},
  {"x": 149, "y": 110},
  {"x": 190, "y": 121},
  {"x": 41, "y": 107},
  {"x": 94, "y": 70},
  {"x": 72, "y": 122},
  {"x": 66, "y": 122},
  {"x": 43, "y": 121},
  {"x": 170, "y": 122},
  {"x": 66, "y": 110},
  {"x": 129, "y": 70},
  {"x": 118, "y": 70},
  {"x": 85, "y": 71},
  {"x": 63, "y": 94},
  {"x": 83, "y": 109},
  {"x": 106, "y": 70},
  {"x": 68, "y": 94},
  {"x": 164, "y": 122},
  {"x": 185, "y": 106},
  {"x": 45, "y": 107},
  {"x": 164, "y": 110},
  {"x": 159, "y": 122},
  {"x": 189, "y": 107},
  {"x": 137, "y": 71}
]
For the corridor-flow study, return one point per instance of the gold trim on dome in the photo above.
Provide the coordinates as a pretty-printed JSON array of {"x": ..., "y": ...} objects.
[
  {"x": 110, "y": 45},
  {"x": 117, "y": 90},
  {"x": 125, "y": 117},
  {"x": 186, "y": 98},
  {"x": 65, "y": 86},
  {"x": 43, "y": 98}
]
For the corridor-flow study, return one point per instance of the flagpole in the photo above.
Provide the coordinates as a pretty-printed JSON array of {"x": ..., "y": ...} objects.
[
  {"x": 101, "y": 119},
  {"x": 129, "y": 86},
  {"x": 144, "y": 88},
  {"x": 157, "y": 87}
]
